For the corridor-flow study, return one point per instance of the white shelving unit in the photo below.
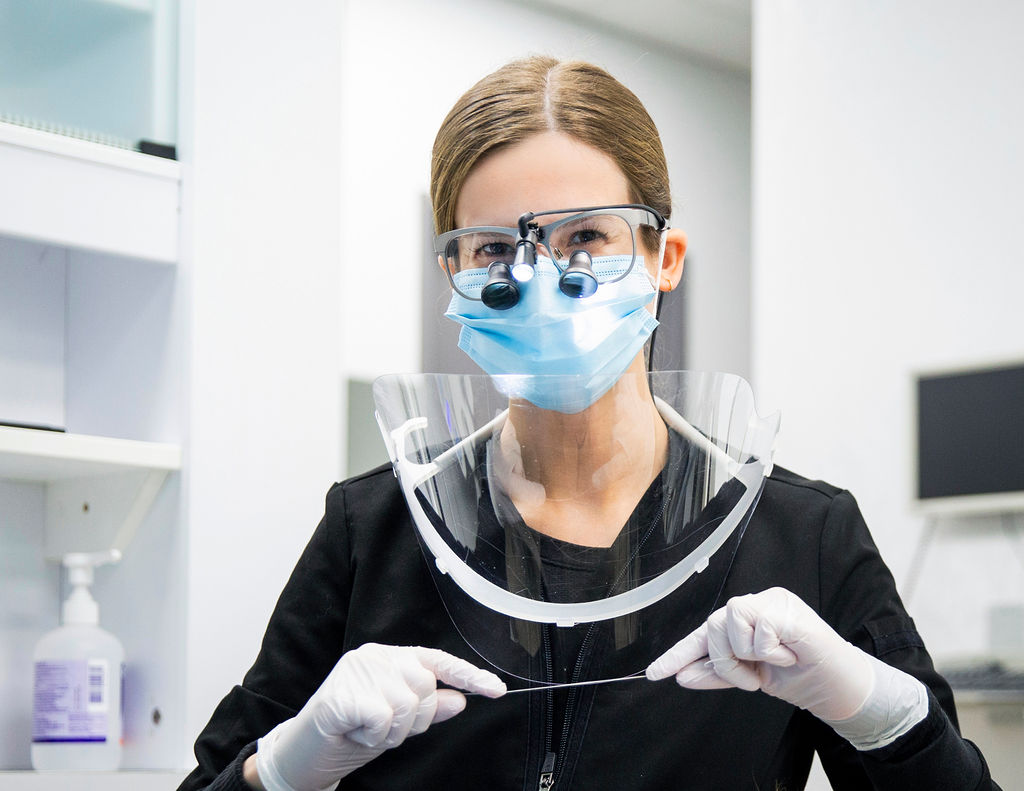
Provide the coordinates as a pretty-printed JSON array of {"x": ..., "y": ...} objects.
[
  {"x": 91, "y": 339},
  {"x": 189, "y": 352}
]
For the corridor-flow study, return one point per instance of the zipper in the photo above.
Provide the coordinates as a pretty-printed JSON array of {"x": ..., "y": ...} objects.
[
  {"x": 574, "y": 692},
  {"x": 546, "y": 780},
  {"x": 547, "y": 772}
]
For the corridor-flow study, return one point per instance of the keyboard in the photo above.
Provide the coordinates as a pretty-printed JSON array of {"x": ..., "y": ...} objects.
[{"x": 986, "y": 676}]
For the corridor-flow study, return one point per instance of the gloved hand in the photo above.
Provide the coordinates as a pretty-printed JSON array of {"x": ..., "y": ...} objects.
[
  {"x": 374, "y": 698},
  {"x": 774, "y": 642}
]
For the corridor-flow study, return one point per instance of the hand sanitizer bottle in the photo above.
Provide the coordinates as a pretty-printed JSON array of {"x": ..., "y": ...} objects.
[{"x": 76, "y": 716}]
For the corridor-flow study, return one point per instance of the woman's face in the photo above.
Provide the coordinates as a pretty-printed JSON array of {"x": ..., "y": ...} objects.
[{"x": 553, "y": 172}]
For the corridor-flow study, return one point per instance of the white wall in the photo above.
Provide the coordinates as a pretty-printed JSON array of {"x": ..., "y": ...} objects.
[
  {"x": 405, "y": 64},
  {"x": 887, "y": 210},
  {"x": 260, "y": 250}
]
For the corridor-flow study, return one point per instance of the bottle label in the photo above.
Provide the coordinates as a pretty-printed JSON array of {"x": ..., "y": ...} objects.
[{"x": 71, "y": 701}]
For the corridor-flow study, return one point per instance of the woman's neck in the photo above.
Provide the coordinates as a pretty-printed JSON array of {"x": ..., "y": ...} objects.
[{"x": 578, "y": 477}]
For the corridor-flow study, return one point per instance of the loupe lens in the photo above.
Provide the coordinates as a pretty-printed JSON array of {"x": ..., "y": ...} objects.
[
  {"x": 578, "y": 280},
  {"x": 577, "y": 284},
  {"x": 500, "y": 292},
  {"x": 500, "y": 296}
]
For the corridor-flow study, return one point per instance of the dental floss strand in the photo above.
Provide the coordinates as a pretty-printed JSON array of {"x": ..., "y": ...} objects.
[{"x": 545, "y": 687}]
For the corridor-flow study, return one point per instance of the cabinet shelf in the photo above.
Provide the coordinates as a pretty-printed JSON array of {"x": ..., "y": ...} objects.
[
  {"x": 98, "y": 489},
  {"x": 85, "y": 195},
  {"x": 45, "y": 456}
]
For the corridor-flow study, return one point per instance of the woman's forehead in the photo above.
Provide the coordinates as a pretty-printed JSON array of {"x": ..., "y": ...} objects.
[{"x": 547, "y": 171}]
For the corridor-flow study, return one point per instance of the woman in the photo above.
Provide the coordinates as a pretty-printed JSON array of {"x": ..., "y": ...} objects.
[{"x": 580, "y": 470}]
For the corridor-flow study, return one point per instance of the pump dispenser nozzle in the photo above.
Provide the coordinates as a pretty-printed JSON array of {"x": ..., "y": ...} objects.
[{"x": 80, "y": 608}]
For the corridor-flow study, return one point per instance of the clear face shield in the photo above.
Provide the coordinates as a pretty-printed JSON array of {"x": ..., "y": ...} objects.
[{"x": 577, "y": 546}]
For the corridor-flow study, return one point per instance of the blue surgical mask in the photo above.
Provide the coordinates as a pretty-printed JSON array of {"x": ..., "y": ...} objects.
[{"x": 547, "y": 333}]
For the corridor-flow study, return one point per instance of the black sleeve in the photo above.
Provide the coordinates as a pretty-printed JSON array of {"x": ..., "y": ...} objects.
[
  {"x": 859, "y": 599},
  {"x": 231, "y": 779},
  {"x": 303, "y": 642}
]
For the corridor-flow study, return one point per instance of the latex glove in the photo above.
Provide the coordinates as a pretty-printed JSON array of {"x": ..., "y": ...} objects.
[
  {"x": 375, "y": 697},
  {"x": 774, "y": 642}
]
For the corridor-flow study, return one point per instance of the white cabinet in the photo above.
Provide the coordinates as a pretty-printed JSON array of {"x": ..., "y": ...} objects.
[
  {"x": 195, "y": 308},
  {"x": 91, "y": 341}
]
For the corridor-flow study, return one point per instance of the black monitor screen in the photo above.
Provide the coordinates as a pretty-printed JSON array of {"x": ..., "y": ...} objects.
[{"x": 970, "y": 433}]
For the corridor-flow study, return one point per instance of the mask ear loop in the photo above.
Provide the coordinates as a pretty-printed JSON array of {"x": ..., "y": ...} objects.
[{"x": 657, "y": 297}]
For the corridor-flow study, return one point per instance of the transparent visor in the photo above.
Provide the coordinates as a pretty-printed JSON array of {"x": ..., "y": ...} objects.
[{"x": 574, "y": 548}]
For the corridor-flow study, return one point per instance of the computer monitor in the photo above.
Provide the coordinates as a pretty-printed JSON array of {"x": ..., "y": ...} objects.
[{"x": 970, "y": 440}]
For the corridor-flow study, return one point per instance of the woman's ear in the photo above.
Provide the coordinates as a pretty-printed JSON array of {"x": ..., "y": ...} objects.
[{"x": 672, "y": 262}]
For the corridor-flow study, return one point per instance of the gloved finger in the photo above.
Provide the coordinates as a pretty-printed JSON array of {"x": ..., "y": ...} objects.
[
  {"x": 768, "y": 645},
  {"x": 803, "y": 637},
  {"x": 387, "y": 701},
  {"x": 420, "y": 679},
  {"x": 425, "y": 713},
  {"x": 459, "y": 673},
  {"x": 723, "y": 659},
  {"x": 701, "y": 675},
  {"x": 449, "y": 703},
  {"x": 375, "y": 715},
  {"x": 754, "y": 623},
  {"x": 406, "y": 705},
  {"x": 739, "y": 621},
  {"x": 422, "y": 683},
  {"x": 805, "y": 632},
  {"x": 411, "y": 691},
  {"x": 690, "y": 649}
]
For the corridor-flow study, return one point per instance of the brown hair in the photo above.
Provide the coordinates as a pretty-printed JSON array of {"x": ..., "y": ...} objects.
[{"x": 538, "y": 94}]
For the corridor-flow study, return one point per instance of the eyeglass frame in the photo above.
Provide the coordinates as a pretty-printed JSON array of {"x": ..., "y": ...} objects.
[{"x": 526, "y": 224}]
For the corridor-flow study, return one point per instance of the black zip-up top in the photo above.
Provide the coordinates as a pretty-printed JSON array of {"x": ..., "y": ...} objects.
[{"x": 362, "y": 578}]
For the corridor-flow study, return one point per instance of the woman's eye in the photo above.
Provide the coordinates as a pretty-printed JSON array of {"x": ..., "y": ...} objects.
[
  {"x": 478, "y": 251},
  {"x": 495, "y": 250},
  {"x": 585, "y": 236}
]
